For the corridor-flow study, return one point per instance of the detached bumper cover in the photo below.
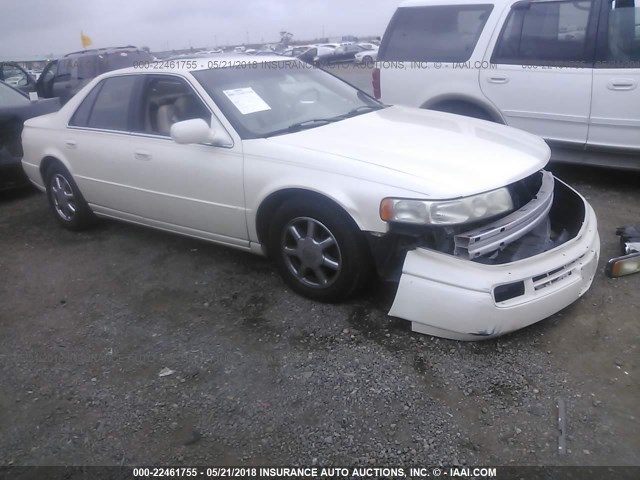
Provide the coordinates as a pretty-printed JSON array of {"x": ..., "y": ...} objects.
[{"x": 450, "y": 297}]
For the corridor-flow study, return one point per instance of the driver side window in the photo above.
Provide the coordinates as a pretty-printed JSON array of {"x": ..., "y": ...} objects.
[{"x": 167, "y": 100}]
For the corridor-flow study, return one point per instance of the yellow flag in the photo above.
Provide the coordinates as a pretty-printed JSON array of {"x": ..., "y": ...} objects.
[{"x": 86, "y": 41}]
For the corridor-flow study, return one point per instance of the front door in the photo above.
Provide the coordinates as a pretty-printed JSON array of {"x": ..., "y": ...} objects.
[
  {"x": 541, "y": 68},
  {"x": 615, "y": 111}
]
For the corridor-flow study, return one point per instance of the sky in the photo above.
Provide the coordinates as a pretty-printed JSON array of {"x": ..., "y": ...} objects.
[{"x": 42, "y": 27}]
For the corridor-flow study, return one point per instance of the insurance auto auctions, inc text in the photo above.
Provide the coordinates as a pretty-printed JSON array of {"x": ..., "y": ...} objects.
[{"x": 375, "y": 472}]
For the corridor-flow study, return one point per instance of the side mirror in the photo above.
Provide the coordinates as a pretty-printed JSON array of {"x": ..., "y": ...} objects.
[
  {"x": 191, "y": 131},
  {"x": 196, "y": 130}
]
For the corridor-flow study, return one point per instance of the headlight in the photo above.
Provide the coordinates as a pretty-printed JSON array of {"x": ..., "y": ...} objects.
[{"x": 446, "y": 212}]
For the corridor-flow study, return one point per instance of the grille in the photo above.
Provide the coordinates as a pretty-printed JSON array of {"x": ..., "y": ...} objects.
[{"x": 554, "y": 276}]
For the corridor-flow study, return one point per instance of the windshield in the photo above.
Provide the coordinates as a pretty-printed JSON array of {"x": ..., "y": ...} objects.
[
  {"x": 10, "y": 97},
  {"x": 276, "y": 97}
]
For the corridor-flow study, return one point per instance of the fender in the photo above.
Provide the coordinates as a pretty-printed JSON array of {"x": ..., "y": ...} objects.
[{"x": 483, "y": 104}]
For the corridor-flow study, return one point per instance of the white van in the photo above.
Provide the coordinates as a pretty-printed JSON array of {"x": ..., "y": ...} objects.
[{"x": 568, "y": 71}]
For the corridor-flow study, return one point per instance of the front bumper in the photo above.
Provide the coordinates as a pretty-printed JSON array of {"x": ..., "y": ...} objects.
[{"x": 454, "y": 298}]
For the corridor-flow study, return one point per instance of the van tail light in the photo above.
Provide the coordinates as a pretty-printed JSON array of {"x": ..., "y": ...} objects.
[{"x": 376, "y": 83}]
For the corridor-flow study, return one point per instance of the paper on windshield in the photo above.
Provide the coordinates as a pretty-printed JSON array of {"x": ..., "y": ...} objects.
[{"x": 246, "y": 100}]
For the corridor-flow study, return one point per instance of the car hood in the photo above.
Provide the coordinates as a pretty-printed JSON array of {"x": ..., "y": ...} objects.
[{"x": 433, "y": 153}]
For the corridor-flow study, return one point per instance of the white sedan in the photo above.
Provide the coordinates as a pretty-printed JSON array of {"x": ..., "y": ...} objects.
[
  {"x": 368, "y": 57},
  {"x": 277, "y": 158}
]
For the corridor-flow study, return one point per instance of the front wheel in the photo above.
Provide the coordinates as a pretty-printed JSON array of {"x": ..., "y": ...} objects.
[
  {"x": 66, "y": 201},
  {"x": 318, "y": 250}
]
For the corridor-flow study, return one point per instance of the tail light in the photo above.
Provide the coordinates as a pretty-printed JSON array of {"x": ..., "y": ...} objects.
[{"x": 376, "y": 83}]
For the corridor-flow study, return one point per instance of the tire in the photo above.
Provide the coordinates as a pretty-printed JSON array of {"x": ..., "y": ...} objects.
[
  {"x": 367, "y": 60},
  {"x": 318, "y": 250},
  {"x": 66, "y": 202}
]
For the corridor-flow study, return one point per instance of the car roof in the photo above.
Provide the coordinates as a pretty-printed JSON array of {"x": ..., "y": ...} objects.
[{"x": 107, "y": 50}]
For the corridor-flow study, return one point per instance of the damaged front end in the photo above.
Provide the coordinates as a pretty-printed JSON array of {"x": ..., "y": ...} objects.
[{"x": 487, "y": 268}]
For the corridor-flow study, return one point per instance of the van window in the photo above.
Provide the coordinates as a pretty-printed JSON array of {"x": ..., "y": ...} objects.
[
  {"x": 546, "y": 33},
  {"x": 623, "y": 35},
  {"x": 447, "y": 33}
]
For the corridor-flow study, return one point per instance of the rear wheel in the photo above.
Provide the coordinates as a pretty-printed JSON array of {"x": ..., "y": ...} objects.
[
  {"x": 66, "y": 201},
  {"x": 367, "y": 60},
  {"x": 318, "y": 250}
]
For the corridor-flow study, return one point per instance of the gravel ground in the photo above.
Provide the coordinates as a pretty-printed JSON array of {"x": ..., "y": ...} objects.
[{"x": 258, "y": 375}]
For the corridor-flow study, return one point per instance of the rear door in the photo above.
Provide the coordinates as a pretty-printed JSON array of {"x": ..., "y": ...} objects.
[
  {"x": 541, "y": 68},
  {"x": 127, "y": 165},
  {"x": 615, "y": 111},
  {"x": 98, "y": 144},
  {"x": 430, "y": 52}
]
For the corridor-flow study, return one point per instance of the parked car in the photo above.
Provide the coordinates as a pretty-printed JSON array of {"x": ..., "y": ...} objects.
[
  {"x": 16, "y": 76},
  {"x": 64, "y": 77},
  {"x": 368, "y": 46},
  {"x": 568, "y": 71},
  {"x": 311, "y": 54},
  {"x": 15, "y": 108},
  {"x": 267, "y": 53},
  {"x": 297, "y": 50},
  {"x": 368, "y": 57},
  {"x": 342, "y": 53},
  {"x": 208, "y": 53},
  {"x": 299, "y": 165}
]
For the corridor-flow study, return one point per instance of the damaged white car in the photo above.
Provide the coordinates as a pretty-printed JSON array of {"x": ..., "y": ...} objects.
[{"x": 277, "y": 158}]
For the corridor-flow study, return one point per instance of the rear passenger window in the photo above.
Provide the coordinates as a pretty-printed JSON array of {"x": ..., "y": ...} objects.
[
  {"x": 622, "y": 48},
  {"x": 434, "y": 34},
  {"x": 546, "y": 33},
  {"x": 81, "y": 116},
  {"x": 111, "y": 108}
]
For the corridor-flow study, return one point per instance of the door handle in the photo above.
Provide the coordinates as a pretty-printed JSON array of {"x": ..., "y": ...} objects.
[
  {"x": 142, "y": 155},
  {"x": 621, "y": 84},
  {"x": 70, "y": 143},
  {"x": 498, "y": 79}
]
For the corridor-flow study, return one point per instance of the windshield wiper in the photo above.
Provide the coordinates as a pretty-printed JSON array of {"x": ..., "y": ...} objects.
[
  {"x": 296, "y": 127},
  {"x": 318, "y": 122},
  {"x": 360, "y": 109}
]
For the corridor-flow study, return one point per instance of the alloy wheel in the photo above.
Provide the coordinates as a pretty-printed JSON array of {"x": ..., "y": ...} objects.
[
  {"x": 311, "y": 252},
  {"x": 63, "y": 198}
]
